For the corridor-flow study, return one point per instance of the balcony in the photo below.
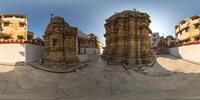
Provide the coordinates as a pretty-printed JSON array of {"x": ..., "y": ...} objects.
[
  {"x": 183, "y": 36},
  {"x": 183, "y": 26}
]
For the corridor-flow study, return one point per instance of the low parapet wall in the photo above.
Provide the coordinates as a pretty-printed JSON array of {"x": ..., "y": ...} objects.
[
  {"x": 187, "y": 52},
  {"x": 20, "y": 52},
  {"x": 34, "y": 52},
  {"x": 91, "y": 50}
]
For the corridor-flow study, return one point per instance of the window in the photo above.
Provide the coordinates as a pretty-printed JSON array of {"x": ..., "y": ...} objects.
[
  {"x": 176, "y": 27},
  {"x": 18, "y": 17},
  {"x": 8, "y": 16},
  {"x": 197, "y": 39},
  {"x": 82, "y": 43},
  {"x": 195, "y": 18},
  {"x": 183, "y": 23},
  {"x": 6, "y": 24},
  {"x": 21, "y": 25},
  {"x": 6, "y": 38},
  {"x": 55, "y": 42},
  {"x": 154, "y": 35},
  {"x": 19, "y": 38},
  {"x": 186, "y": 30},
  {"x": 196, "y": 26}
]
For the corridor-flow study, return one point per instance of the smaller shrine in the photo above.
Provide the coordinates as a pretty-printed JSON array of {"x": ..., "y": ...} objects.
[
  {"x": 162, "y": 46},
  {"x": 60, "y": 45}
]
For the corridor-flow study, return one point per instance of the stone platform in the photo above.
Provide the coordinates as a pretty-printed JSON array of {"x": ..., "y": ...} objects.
[
  {"x": 170, "y": 78},
  {"x": 37, "y": 65}
]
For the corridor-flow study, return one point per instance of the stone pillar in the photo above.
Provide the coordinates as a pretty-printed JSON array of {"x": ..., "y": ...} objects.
[
  {"x": 119, "y": 53},
  {"x": 106, "y": 35},
  {"x": 138, "y": 48},
  {"x": 112, "y": 42},
  {"x": 130, "y": 58}
]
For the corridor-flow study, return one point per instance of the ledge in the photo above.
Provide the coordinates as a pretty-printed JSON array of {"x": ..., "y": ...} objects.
[
  {"x": 19, "y": 42},
  {"x": 140, "y": 66},
  {"x": 186, "y": 44},
  {"x": 37, "y": 65}
]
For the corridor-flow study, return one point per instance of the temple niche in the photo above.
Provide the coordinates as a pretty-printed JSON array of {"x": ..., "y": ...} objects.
[
  {"x": 162, "y": 46},
  {"x": 127, "y": 38},
  {"x": 60, "y": 45}
]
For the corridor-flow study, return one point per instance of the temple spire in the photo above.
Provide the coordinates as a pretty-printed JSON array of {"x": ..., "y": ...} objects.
[{"x": 51, "y": 15}]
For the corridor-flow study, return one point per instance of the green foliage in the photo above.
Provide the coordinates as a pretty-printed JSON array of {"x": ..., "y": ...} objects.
[{"x": 169, "y": 36}]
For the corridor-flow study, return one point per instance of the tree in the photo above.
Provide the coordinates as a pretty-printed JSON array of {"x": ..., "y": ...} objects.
[{"x": 169, "y": 36}]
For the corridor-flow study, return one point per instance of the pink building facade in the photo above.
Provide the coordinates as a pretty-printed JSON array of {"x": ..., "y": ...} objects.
[{"x": 89, "y": 43}]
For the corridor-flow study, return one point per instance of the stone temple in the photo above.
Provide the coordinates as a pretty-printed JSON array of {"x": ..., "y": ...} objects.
[
  {"x": 162, "y": 46},
  {"x": 60, "y": 45},
  {"x": 127, "y": 38}
]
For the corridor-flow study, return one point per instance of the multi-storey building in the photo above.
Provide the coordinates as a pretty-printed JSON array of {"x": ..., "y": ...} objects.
[
  {"x": 188, "y": 29},
  {"x": 91, "y": 42},
  {"x": 30, "y": 35},
  {"x": 154, "y": 40},
  {"x": 13, "y": 27},
  {"x": 100, "y": 44}
]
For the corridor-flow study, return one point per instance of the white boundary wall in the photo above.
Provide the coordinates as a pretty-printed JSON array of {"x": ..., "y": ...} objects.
[
  {"x": 190, "y": 52},
  {"x": 34, "y": 52},
  {"x": 91, "y": 50},
  {"x": 13, "y": 53}
]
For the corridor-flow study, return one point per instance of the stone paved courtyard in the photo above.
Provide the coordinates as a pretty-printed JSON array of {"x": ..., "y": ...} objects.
[{"x": 170, "y": 78}]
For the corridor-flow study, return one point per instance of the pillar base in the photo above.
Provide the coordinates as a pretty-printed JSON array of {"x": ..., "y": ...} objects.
[{"x": 127, "y": 65}]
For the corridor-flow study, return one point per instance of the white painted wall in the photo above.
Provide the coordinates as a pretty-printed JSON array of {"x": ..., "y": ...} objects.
[
  {"x": 91, "y": 50},
  {"x": 13, "y": 53},
  {"x": 34, "y": 52},
  {"x": 190, "y": 52}
]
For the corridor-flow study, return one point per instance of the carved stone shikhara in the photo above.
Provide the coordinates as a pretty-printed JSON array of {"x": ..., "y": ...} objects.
[
  {"x": 60, "y": 45},
  {"x": 162, "y": 46},
  {"x": 127, "y": 38}
]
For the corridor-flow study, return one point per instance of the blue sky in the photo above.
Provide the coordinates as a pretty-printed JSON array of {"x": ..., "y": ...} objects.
[{"x": 89, "y": 15}]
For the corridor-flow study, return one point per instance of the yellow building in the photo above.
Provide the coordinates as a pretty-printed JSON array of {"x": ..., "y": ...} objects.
[
  {"x": 188, "y": 30},
  {"x": 13, "y": 27},
  {"x": 30, "y": 35},
  {"x": 100, "y": 44}
]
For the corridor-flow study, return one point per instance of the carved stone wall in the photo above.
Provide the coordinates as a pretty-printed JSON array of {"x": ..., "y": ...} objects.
[
  {"x": 127, "y": 38},
  {"x": 60, "y": 45},
  {"x": 162, "y": 46}
]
